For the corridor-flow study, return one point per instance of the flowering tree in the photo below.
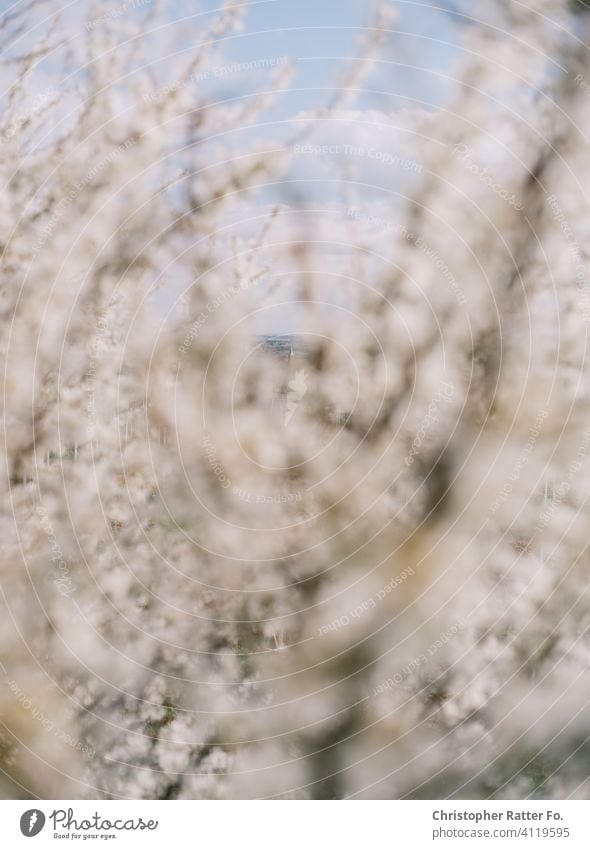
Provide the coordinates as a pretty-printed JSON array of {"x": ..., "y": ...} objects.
[{"x": 344, "y": 558}]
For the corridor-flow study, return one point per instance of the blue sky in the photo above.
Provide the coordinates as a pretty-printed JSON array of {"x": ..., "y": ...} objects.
[{"x": 321, "y": 37}]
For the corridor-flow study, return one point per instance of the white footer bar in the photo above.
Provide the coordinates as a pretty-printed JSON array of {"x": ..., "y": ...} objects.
[{"x": 296, "y": 824}]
